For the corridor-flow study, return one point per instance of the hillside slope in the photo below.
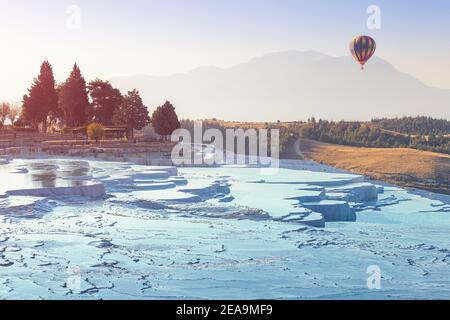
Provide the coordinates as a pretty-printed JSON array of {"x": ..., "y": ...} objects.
[{"x": 406, "y": 167}]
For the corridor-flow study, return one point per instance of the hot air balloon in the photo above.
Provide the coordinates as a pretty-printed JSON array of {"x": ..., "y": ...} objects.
[{"x": 362, "y": 49}]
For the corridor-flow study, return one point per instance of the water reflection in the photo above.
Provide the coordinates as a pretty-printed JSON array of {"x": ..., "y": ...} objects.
[
  {"x": 59, "y": 174},
  {"x": 44, "y": 174}
]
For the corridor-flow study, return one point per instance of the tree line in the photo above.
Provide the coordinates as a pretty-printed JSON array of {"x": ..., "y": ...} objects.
[
  {"x": 362, "y": 134},
  {"x": 421, "y": 125},
  {"x": 76, "y": 103},
  {"x": 351, "y": 133}
]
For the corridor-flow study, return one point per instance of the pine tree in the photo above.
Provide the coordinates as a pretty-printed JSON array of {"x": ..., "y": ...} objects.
[
  {"x": 105, "y": 100},
  {"x": 165, "y": 120},
  {"x": 42, "y": 100},
  {"x": 132, "y": 112},
  {"x": 31, "y": 105},
  {"x": 49, "y": 98},
  {"x": 73, "y": 99}
]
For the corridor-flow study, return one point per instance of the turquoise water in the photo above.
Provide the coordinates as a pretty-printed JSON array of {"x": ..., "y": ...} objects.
[{"x": 225, "y": 232}]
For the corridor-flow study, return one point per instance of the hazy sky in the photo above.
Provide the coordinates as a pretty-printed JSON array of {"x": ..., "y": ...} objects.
[{"x": 117, "y": 37}]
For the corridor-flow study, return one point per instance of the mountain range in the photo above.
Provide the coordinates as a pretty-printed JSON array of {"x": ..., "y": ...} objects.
[{"x": 292, "y": 85}]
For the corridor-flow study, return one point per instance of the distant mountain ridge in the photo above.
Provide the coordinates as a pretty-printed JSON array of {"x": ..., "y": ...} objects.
[{"x": 293, "y": 85}]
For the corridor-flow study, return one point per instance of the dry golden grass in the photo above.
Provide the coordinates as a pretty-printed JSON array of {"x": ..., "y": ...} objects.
[{"x": 405, "y": 166}]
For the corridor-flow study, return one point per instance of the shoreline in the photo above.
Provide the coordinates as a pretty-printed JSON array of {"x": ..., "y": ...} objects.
[{"x": 291, "y": 164}]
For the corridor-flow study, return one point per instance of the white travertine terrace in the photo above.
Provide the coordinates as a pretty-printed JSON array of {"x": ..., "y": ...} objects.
[{"x": 128, "y": 231}]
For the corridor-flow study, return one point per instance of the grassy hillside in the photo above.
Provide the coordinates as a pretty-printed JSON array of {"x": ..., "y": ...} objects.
[{"x": 403, "y": 166}]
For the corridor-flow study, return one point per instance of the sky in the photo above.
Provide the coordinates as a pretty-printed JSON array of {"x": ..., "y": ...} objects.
[{"x": 109, "y": 38}]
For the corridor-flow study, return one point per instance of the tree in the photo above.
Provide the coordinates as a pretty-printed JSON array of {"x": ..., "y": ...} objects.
[
  {"x": 95, "y": 131},
  {"x": 165, "y": 120},
  {"x": 132, "y": 112},
  {"x": 105, "y": 100},
  {"x": 42, "y": 100},
  {"x": 49, "y": 98},
  {"x": 5, "y": 109},
  {"x": 73, "y": 99},
  {"x": 30, "y": 104}
]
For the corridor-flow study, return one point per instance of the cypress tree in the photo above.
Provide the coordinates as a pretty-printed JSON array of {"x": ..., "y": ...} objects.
[
  {"x": 49, "y": 99},
  {"x": 73, "y": 99},
  {"x": 41, "y": 100}
]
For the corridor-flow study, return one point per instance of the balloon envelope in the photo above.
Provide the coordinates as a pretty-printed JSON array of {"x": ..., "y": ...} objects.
[{"x": 362, "y": 49}]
